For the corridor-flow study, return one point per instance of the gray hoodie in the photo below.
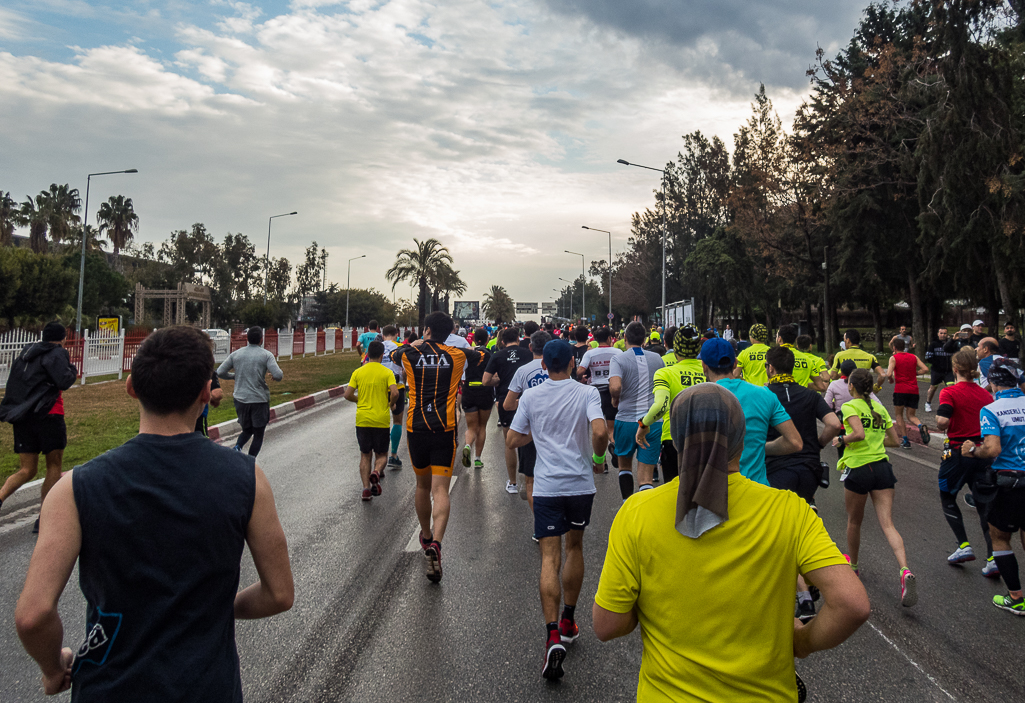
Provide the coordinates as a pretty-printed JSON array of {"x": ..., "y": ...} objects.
[{"x": 251, "y": 364}]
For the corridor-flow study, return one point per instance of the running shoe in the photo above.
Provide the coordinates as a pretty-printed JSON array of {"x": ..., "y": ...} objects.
[
  {"x": 555, "y": 653},
  {"x": 425, "y": 543},
  {"x": 905, "y": 443},
  {"x": 433, "y": 556},
  {"x": 568, "y": 631},
  {"x": 367, "y": 495},
  {"x": 375, "y": 489},
  {"x": 853, "y": 566},
  {"x": 466, "y": 456},
  {"x": 991, "y": 570},
  {"x": 393, "y": 462},
  {"x": 35, "y": 527},
  {"x": 615, "y": 461},
  {"x": 478, "y": 464},
  {"x": 238, "y": 449},
  {"x": 908, "y": 590},
  {"x": 510, "y": 487},
  {"x": 1011, "y": 605},
  {"x": 534, "y": 539},
  {"x": 928, "y": 407},
  {"x": 962, "y": 554},
  {"x": 969, "y": 500},
  {"x": 805, "y": 611},
  {"x": 606, "y": 470},
  {"x": 924, "y": 432},
  {"x": 654, "y": 475},
  {"x": 375, "y": 483}
]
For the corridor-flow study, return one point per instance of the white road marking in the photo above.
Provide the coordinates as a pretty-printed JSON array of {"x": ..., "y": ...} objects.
[
  {"x": 414, "y": 541},
  {"x": 912, "y": 661},
  {"x": 28, "y": 516}
]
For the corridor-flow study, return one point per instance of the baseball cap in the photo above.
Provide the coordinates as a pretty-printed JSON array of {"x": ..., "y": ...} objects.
[
  {"x": 717, "y": 353},
  {"x": 965, "y": 326},
  {"x": 557, "y": 355},
  {"x": 978, "y": 323},
  {"x": 1004, "y": 372},
  {"x": 656, "y": 337}
]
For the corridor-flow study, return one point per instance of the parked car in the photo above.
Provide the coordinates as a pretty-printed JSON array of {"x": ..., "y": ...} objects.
[{"x": 222, "y": 343}]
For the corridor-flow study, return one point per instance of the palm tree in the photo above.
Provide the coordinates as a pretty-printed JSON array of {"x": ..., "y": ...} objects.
[
  {"x": 34, "y": 214},
  {"x": 62, "y": 204},
  {"x": 93, "y": 241},
  {"x": 118, "y": 221},
  {"x": 498, "y": 306},
  {"x": 447, "y": 282},
  {"x": 419, "y": 266},
  {"x": 9, "y": 218}
]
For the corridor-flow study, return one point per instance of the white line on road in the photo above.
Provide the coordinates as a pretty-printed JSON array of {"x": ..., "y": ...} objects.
[
  {"x": 414, "y": 541},
  {"x": 912, "y": 661},
  {"x": 30, "y": 515}
]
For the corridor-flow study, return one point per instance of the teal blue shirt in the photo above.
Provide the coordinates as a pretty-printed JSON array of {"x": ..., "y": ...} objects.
[{"x": 762, "y": 410}]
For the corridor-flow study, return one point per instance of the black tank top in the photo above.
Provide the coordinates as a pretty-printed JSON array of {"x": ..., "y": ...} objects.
[{"x": 163, "y": 522}]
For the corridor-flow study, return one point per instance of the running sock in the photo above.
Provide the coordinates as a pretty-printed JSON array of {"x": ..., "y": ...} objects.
[
  {"x": 626, "y": 484},
  {"x": 396, "y": 435},
  {"x": 644, "y": 487},
  {"x": 953, "y": 515},
  {"x": 568, "y": 611},
  {"x": 552, "y": 627},
  {"x": 1008, "y": 565},
  {"x": 804, "y": 597}
]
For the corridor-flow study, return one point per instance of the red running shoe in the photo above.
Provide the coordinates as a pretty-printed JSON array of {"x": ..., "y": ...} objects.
[
  {"x": 568, "y": 630},
  {"x": 366, "y": 494},
  {"x": 555, "y": 653},
  {"x": 375, "y": 483},
  {"x": 433, "y": 555}
]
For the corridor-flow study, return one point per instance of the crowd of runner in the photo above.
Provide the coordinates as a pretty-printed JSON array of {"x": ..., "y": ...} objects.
[{"x": 732, "y": 426}]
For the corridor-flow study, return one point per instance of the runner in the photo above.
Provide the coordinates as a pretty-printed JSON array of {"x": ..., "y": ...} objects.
[
  {"x": 903, "y": 372},
  {"x": 529, "y": 328},
  {"x": 819, "y": 367},
  {"x": 862, "y": 359},
  {"x": 904, "y": 336},
  {"x": 654, "y": 344},
  {"x": 364, "y": 340},
  {"x": 669, "y": 382},
  {"x": 762, "y": 410},
  {"x": 958, "y": 416},
  {"x": 867, "y": 472},
  {"x": 216, "y": 395},
  {"x": 390, "y": 333},
  {"x": 751, "y": 361},
  {"x": 986, "y": 352},
  {"x": 581, "y": 334},
  {"x": 803, "y": 366},
  {"x": 1003, "y": 440},
  {"x": 478, "y": 400},
  {"x": 669, "y": 358},
  {"x": 940, "y": 374},
  {"x": 565, "y": 421},
  {"x": 499, "y": 372},
  {"x": 743, "y": 342},
  {"x": 595, "y": 371},
  {"x": 433, "y": 370},
  {"x": 34, "y": 404},
  {"x": 631, "y": 384},
  {"x": 251, "y": 396},
  {"x": 530, "y": 375},
  {"x": 374, "y": 390}
]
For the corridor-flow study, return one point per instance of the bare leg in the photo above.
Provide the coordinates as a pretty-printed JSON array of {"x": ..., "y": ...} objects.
[
  {"x": 530, "y": 491},
  {"x": 364, "y": 469},
  {"x": 551, "y": 587},
  {"x": 439, "y": 491},
  {"x": 472, "y": 419},
  {"x": 930, "y": 394},
  {"x": 510, "y": 458},
  {"x": 573, "y": 572},
  {"x": 482, "y": 430},
  {"x": 54, "y": 463},
  {"x": 882, "y": 501},
  {"x": 380, "y": 460},
  {"x": 422, "y": 501},
  {"x": 28, "y": 470},
  {"x": 898, "y": 420},
  {"x": 913, "y": 419},
  {"x": 645, "y": 472},
  {"x": 855, "y": 504}
]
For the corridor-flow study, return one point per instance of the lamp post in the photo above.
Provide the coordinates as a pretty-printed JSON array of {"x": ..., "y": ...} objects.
[
  {"x": 266, "y": 277},
  {"x": 572, "y": 285},
  {"x": 85, "y": 229},
  {"x": 348, "y": 275},
  {"x": 583, "y": 282},
  {"x": 593, "y": 229},
  {"x": 662, "y": 171},
  {"x": 558, "y": 302}
]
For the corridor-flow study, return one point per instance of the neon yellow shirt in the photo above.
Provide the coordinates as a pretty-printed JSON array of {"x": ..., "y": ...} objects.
[
  {"x": 871, "y": 448},
  {"x": 492, "y": 343},
  {"x": 694, "y": 649},
  {"x": 594, "y": 344},
  {"x": 670, "y": 382},
  {"x": 817, "y": 363},
  {"x": 802, "y": 366},
  {"x": 752, "y": 362},
  {"x": 669, "y": 359},
  {"x": 372, "y": 382},
  {"x": 862, "y": 359},
  {"x": 620, "y": 344}
]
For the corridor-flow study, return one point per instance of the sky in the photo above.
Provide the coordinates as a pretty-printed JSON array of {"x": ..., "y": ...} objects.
[{"x": 493, "y": 126}]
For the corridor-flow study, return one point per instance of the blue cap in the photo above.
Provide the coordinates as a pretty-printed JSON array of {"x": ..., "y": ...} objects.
[
  {"x": 557, "y": 355},
  {"x": 717, "y": 353}
]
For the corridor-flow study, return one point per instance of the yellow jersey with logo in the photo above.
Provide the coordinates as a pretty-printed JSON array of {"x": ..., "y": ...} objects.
[{"x": 752, "y": 363}]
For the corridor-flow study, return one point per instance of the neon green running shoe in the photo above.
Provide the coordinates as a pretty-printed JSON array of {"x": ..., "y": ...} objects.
[
  {"x": 1011, "y": 605},
  {"x": 478, "y": 464}
]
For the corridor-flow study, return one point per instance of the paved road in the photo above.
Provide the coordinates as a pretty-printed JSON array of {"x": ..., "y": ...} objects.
[{"x": 367, "y": 626}]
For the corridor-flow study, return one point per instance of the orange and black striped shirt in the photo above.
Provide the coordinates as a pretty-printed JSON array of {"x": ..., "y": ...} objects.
[{"x": 433, "y": 374}]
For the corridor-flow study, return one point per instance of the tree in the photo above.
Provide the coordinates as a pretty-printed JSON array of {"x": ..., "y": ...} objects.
[
  {"x": 10, "y": 280},
  {"x": 62, "y": 206},
  {"x": 105, "y": 290},
  {"x": 190, "y": 255},
  {"x": 418, "y": 267},
  {"x": 279, "y": 279},
  {"x": 9, "y": 218},
  {"x": 34, "y": 214},
  {"x": 498, "y": 306},
  {"x": 446, "y": 283},
  {"x": 45, "y": 286},
  {"x": 119, "y": 222},
  {"x": 307, "y": 275},
  {"x": 93, "y": 241}
]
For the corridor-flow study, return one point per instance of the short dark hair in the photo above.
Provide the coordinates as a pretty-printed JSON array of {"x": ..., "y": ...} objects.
[
  {"x": 480, "y": 336},
  {"x": 390, "y": 331},
  {"x": 788, "y": 333},
  {"x": 54, "y": 332},
  {"x": 581, "y": 333},
  {"x": 410, "y": 334},
  {"x": 804, "y": 341},
  {"x": 742, "y": 333},
  {"x": 509, "y": 335},
  {"x": 440, "y": 324},
  {"x": 897, "y": 343},
  {"x": 254, "y": 334},
  {"x": 530, "y": 327},
  {"x": 171, "y": 368},
  {"x": 635, "y": 334},
  {"x": 538, "y": 340},
  {"x": 781, "y": 359},
  {"x": 375, "y": 350},
  {"x": 602, "y": 334},
  {"x": 372, "y": 325},
  {"x": 853, "y": 335}
]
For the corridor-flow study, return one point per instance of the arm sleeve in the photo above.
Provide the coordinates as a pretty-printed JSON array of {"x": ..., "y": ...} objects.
[
  {"x": 275, "y": 371},
  {"x": 521, "y": 420},
  {"x": 661, "y": 404},
  {"x": 815, "y": 548},
  {"x": 620, "y": 582},
  {"x": 929, "y": 351},
  {"x": 945, "y": 410},
  {"x": 224, "y": 370},
  {"x": 988, "y": 423}
]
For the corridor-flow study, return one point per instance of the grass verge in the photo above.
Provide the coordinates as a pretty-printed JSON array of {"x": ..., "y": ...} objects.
[{"x": 101, "y": 416}]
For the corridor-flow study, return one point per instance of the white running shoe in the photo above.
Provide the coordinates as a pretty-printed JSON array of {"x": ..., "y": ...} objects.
[
  {"x": 510, "y": 487},
  {"x": 961, "y": 555},
  {"x": 928, "y": 407},
  {"x": 991, "y": 570}
]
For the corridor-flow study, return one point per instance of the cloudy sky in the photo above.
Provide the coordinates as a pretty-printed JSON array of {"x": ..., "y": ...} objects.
[{"x": 494, "y": 126}]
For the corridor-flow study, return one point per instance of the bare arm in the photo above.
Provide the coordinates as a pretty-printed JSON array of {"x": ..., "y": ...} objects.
[
  {"x": 350, "y": 393},
  {"x": 942, "y": 423},
  {"x": 845, "y": 608},
  {"x": 833, "y": 426},
  {"x": 216, "y": 395},
  {"x": 393, "y": 393},
  {"x": 989, "y": 449},
  {"x": 922, "y": 368},
  {"x": 788, "y": 442},
  {"x": 275, "y": 591},
  {"x": 889, "y": 370},
  {"x": 512, "y": 401},
  {"x": 615, "y": 388},
  {"x": 609, "y": 625},
  {"x": 36, "y": 618},
  {"x": 599, "y": 443},
  {"x": 891, "y": 440},
  {"x": 514, "y": 439},
  {"x": 820, "y": 383},
  {"x": 856, "y": 434},
  {"x": 490, "y": 379}
]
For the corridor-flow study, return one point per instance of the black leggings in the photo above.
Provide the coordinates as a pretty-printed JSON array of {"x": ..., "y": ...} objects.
[
  {"x": 670, "y": 461},
  {"x": 256, "y": 434},
  {"x": 956, "y": 521}
]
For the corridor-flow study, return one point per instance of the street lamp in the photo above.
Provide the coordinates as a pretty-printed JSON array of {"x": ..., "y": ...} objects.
[
  {"x": 348, "y": 274},
  {"x": 593, "y": 229},
  {"x": 662, "y": 171},
  {"x": 572, "y": 285},
  {"x": 558, "y": 302},
  {"x": 266, "y": 278},
  {"x": 85, "y": 226},
  {"x": 583, "y": 283}
]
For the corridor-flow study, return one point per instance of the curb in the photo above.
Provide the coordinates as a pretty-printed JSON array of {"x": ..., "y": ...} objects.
[{"x": 231, "y": 427}]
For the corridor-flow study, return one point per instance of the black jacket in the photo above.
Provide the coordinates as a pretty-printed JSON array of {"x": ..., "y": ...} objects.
[{"x": 38, "y": 375}]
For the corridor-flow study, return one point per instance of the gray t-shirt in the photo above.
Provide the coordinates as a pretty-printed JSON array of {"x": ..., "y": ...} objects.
[
  {"x": 907, "y": 341},
  {"x": 251, "y": 364},
  {"x": 636, "y": 367}
]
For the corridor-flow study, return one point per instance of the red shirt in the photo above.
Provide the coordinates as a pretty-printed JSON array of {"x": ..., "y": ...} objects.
[
  {"x": 961, "y": 404},
  {"x": 58, "y": 407},
  {"x": 905, "y": 373}
]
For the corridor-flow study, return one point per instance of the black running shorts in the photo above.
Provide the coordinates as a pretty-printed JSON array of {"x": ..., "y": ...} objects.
[
  {"x": 799, "y": 478},
  {"x": 1007, "y": 511},
  {"x": 478, "y": 398},
  {"x": 906, "y": 400},
  {"x": 939, "y": 378},
  {"x": 40, "y": 435},
  {"x": 527, "y": 455},
  {"x": 505, "y": 417},
  {"x": 556, "y": 515},
  {"x": 607, "y": 408},
  {"x": 400, "y": 403},
  {"x": 432, "y": 452},
  {"x": 877, "y": 476},
  {"x": 373, "y": 440},
  {"x": 252, "y": 415}
]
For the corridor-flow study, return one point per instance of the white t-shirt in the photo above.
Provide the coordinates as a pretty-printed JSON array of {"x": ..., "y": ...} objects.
[
  {"x": 389, "y": 347},
  {"x": 454, "y": 340},
  {"x": 596, "y": 361},
  {"x": 636, "y": 367},
  {"x": 530, "y": 375},
  {"x": 558, "y": 415}
]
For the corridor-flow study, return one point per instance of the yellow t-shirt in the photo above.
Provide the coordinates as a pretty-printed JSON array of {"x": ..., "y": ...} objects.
[
  {"x": 669, "y": 359},
  {"x": 695, "y": 649},
  {"x": 802, "y": 366},
  {"x": 752, "y": 362},
  {"x": 862, "y": 359},
  {"x": 817, "y": 363},
  {"x": 669, "y": 382},
  {"x": 870, "y": 449},
  {"x": 372, "y": 381}
]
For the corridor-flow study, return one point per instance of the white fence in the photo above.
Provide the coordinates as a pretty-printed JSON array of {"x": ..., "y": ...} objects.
[
  {"x": 11, "y": 344},
  {"x": 102, "y": 354}
]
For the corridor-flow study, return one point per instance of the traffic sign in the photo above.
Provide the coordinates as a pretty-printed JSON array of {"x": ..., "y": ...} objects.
[
  {"x": 592, "y": 318},
  {"x": 610, "y": 316}
]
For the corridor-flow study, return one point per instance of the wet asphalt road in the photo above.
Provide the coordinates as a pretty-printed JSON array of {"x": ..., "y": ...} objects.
[{"x": 368, "y": 626}]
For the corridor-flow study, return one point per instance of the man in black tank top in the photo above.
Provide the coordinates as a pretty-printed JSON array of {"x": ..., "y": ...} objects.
[{"x": 157, "y": 526}]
